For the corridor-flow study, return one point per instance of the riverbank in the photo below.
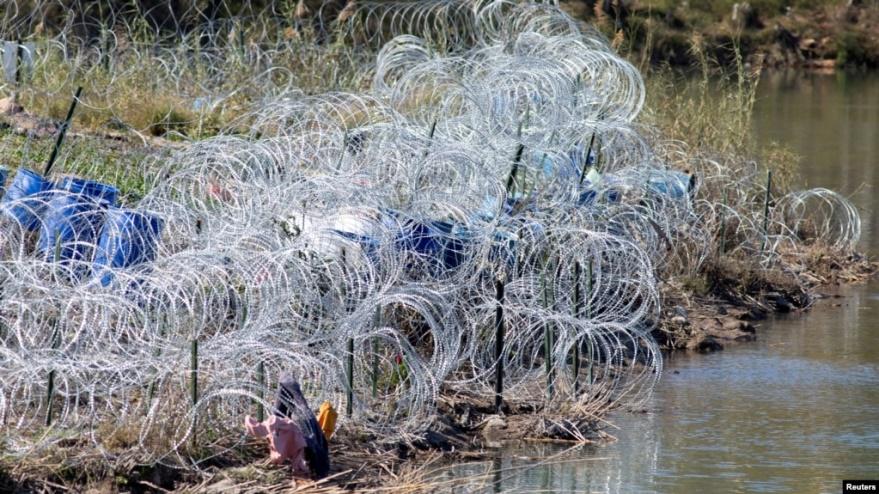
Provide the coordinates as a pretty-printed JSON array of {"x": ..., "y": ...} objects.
[
  {"x": 466, "y": 426},
  {"x": 824, "y": 35},
  {"x": 718, "y": 305},
  {"x": 726, "y": 308}
]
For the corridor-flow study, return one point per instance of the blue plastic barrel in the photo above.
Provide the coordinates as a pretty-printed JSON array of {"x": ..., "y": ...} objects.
[
  {"x": 128, "y": 238},
  {"x": 4, "y": 174},
  {"x": 73, "y": 220},
  {"x": 89, "y": 188},
  {"x": 25, "y": 200},
  {"x": 433, "y": 240},
  {"x": 674, "y": 184}
]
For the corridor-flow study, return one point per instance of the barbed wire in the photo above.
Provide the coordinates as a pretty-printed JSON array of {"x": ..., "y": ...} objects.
[{"x": 367, "y": 231}]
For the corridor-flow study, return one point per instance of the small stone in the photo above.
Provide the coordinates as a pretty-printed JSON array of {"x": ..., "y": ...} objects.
[
  {"x": 681, "y": 312},
  {"x": 704, "y": 344},
  {"x": 680, "y": 321},
  {"x": 494, "y": 431},
  {"x": 9, "y": 106},
  {"x": 495, "y": 422}
]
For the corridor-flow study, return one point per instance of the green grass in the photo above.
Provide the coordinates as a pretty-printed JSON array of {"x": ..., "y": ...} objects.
[{"x": 115, "y": 162}]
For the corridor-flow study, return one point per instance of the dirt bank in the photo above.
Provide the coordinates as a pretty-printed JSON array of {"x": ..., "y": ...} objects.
[
  {"x": 733, "y": 297},
  {"x": 820, "y": 35}
]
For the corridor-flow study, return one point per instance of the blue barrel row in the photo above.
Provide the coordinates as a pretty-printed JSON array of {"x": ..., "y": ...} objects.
[
  {"x": 443, "y": 243},
  {"x": 78, "y": 219}
]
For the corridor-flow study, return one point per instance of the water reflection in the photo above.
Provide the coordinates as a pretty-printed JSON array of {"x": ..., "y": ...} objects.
[
  {"x": 832, "y": 121},
  {"x": 796, "y": 411}
]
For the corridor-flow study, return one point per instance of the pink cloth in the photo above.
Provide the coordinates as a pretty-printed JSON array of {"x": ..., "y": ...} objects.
[
  {"x": 219, "y": 192},
  {"x": 286, "y": 441}
]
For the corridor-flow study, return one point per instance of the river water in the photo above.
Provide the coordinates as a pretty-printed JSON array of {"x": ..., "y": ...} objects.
[
  {"x": 795, "y": 411},
  {"x": 832, "y": 122}
]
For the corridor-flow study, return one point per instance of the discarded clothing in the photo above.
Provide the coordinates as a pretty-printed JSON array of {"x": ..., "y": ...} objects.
[
  {"x": 326, "y": 417},
  {"x": 286, "y": 442}
]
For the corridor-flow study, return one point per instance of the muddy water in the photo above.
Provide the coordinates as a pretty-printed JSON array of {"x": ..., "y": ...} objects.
[{"x": 796, "y": 411}]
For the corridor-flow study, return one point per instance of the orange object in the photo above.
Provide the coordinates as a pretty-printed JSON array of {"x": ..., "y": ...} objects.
[{"x": 326, "y": 417}]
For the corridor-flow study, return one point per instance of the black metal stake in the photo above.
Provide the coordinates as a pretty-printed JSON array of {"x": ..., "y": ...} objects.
[
  {"x": 515, "y": 170},
  {"x": 578, "y": 304},
  {"x": 193, "y": 385},
  {"x": 261, "y": 381},
  {"x": 766, "y": 211},
  {"x": 586, "y": 160},
  {"x": 548, "y": 342},
  {"x": 151, "y": 390},
  {"x": 378, "y": 323},
  {"x": 62, "y": 132},
  {"x": 723, "y": 222},
  {"x": 19, "y": 56},
  {"x": 518, "y": 158},
  {"x": 499, "y": 330},
  {"x": 589, "y": 315},
  {"x": 50, "y": 392},
  {"x": 349, "y": 407},
  {"x": 349, "y": 371},
  {"x": 50, "y": 385}
]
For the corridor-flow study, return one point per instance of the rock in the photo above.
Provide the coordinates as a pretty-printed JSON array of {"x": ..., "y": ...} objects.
[
  {"x": 781, "y": 302},
  {"x": 434, "y": 440},
  {"x": 811, "y": 279},
  {"x": 726, "y": 328},
  {"x": 704, "y": 344},
  {"x": 755, "y": 314},
  {"x": 737, "y": 313},
  {"x": 728, "y": 324},
  {"x": 808, "y": 44},
  {"x": 494, "y": 431},
  {"x": 495, "y": 422},
  {"x": 681, "y": 311},
  {"x": 9, "y": 106},
  {"x": 465, "y": 416},
  {"x": 225, "y": 485},
  {"x": 786, "y": 39},
  {"x": 404, "y": 452}
]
